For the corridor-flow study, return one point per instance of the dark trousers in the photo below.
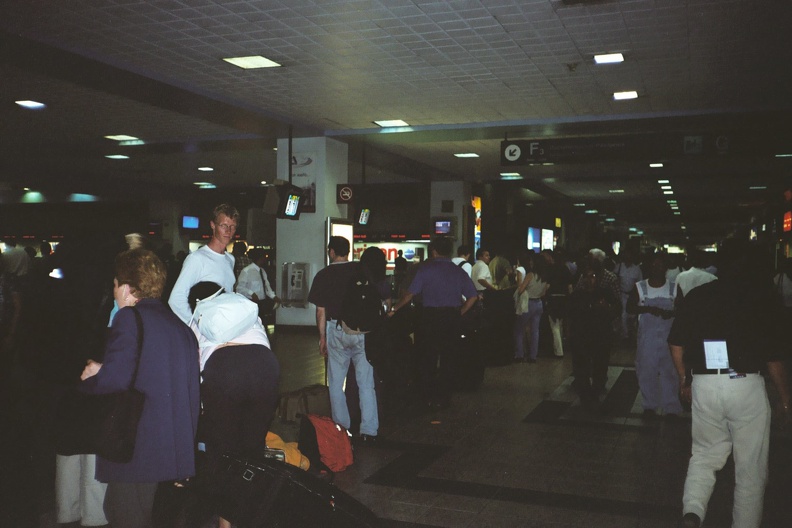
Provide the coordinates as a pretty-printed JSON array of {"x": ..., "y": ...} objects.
[
  {"x": 590, "y": 357},
  {"x": 239, "y": 393},
  {"x": 440, "y": 331},
  {"x": 129, "y": 504}
]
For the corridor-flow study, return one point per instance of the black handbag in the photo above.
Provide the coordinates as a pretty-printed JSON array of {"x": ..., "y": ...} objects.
[
  {"x": 118, "y": 429},
  {"x": 267, "y": 492}
]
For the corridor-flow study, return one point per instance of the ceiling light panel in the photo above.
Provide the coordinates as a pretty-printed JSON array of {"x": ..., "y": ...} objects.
[
  {"x": 392, "y": 123},
  {"x": 623, "y": 96},
  {"x": 252, "y": 62},
  {"x": 609, "y": 58},
  {"x": 31, "y": 105}
]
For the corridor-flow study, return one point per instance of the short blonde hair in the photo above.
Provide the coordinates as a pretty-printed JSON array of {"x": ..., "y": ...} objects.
[{"x": 143, "y": 271}]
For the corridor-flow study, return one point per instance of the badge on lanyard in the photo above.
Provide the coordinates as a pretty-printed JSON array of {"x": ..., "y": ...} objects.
[{"x": 716, "y": 355}]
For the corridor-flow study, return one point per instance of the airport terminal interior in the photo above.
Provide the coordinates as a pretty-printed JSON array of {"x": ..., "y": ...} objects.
[{"x": 507, "y": 125}]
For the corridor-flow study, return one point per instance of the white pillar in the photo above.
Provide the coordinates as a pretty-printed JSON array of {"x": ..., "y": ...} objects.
[{"x": 303, "y": 240}]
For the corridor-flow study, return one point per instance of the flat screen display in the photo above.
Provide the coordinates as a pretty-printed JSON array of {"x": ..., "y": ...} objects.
[
  {"x": 547, "y": 239},
  {"x": 363, "y": 217},
  {"x": 291, "y": 202},
  {"x": 190, "y": 222},
  {"x": 534, "y": 240}
]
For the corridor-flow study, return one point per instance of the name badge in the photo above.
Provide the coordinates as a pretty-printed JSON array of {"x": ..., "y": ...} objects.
[{"x": 716, "y": 355}]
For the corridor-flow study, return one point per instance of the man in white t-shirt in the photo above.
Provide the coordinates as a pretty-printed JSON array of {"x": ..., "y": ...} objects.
[
  {"x": 482, "y": 278},
  {"x": 695, "y": 276},
  {"x": 463, "y": 259},
  {"x": 210, "y": 263}
]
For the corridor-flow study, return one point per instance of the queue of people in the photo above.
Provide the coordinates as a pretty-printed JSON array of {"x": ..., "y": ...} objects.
[{"x": 724, "y": 332}]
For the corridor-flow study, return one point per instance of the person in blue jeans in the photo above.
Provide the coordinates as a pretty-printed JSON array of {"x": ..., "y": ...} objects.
[
  {"x": 339, "y": 347},
  {"x": 534, "y": 286}
]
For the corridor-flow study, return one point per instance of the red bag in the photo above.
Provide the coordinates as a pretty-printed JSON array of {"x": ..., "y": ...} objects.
[{"x": 322, "y": 438}]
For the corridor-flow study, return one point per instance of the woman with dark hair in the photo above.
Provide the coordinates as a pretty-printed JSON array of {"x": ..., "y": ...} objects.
[
  {"x": 239, "y": 392},
  {"x": 167, "y": 375},
  {"x": 529, "y": 313}
]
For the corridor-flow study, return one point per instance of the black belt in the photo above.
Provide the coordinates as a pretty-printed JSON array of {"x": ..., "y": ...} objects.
[{"x": 722, "y": 371}]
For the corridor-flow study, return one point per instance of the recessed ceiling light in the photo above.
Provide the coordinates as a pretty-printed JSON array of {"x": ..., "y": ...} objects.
[
  {"x": 205, "y": 169},
  {"x": 466, "y": 155},
  {"x": 656, "y": 165},
  {"x": 621, "y": 96},
  {"x": 675, "y": 207},
  {"x": 579, "y": 205},
  {"x": 757, "y": 187},
  {"x": 677, "y": 213},
  {"x": 610, "y": 219},
  {"x": 591, "y": 211},
  {"x": 633, "y": 229},
  {"x": 31, "y": 105},
  {"x": 783, "y": 155},
  {"x": 668, "y": 192},
  {"x": 122, "y": 137},
  {"x": 616, "y": 191},
  {"x": 391, "y": 123},
  {"x": 252, "y": 62},
  {"x": 663, "y": 181},
  {"x": 511, "y": 177},
  {"x": 116, "y": 156},
  {"x": 665, "y": 187},
  {"x": 609, "y": 58},
  {"x": 263, "y": 182},
  {"x": 275, "y": 149},
  {"x": 25, "y": 189}
]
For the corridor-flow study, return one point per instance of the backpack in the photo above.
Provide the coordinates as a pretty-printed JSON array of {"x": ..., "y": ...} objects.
[
  {"x": 325, "y": 443},
  {"x": 224, "y": 316},
  {"x": 361, "y": 308}
]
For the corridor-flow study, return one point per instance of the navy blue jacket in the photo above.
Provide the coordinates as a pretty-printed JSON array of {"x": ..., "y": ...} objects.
[{"x": 169, "y": 377}]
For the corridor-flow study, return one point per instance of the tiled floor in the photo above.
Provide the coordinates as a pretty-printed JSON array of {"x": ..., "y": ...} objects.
[{"x": 522, "y": 452}]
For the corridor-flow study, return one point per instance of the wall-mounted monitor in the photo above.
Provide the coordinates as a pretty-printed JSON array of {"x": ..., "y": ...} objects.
[
  {"x": 445, "y": 226},
  {"x": 290, "y": 203},
  {"x": 548, "y": 241},
  {"x": 364, "y": 215},
  {"x": 190, "y": 222},
  {"x": 534, "y": 239}
]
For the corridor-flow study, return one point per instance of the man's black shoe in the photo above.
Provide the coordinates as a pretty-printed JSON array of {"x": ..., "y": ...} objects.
[
  {"x": 367, "y": 440},
  {"x": 690, "y": 520}
]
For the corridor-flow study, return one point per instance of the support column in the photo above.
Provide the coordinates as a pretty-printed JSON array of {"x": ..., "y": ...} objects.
[
  {"x": 455, "y": 194},
  {"x": 303, "y": 240}
]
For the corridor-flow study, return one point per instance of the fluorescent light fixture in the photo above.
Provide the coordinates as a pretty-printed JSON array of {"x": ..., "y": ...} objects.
[
  {"x": 665, "y": 187},
  {"x": 677, "y": 213},
  {"x": 467, "y": 155},
  {"x": 757, "y": 187},
  {"x": 633, "y": 229},
  {"x": 509, "y": 173},
  {"x": 205, "y": 169},
  {"x": 131, "y": 143},
  {"x": 591, "y": 211},
  {"x": 79, "y": 197},
  {"x": 202, "y": 183},
  {"x": 116, "y": 156},
  {"x": 663, "y": 181},
  {"x": 579, "y": 205},
  {"x": 621, "y": 96},
  {"x": 263, "y": 182},
  {"x": 616, "y": 191},
  {"x": 668, "y": 192},
  {"x": 610, "y": 219},
  {"x": 25, "y": 189},
  {"x": 654, "y": 165},
  {"x": 252, "y": 62},
  {"x": 275, "y": 149},
  {"x": 208, "y": 186},
  {"x": 671, "y": 201},
  {"x": 122, "y": 137},
  {"x": 675, "y": 207},
  {"x": 391, "y": 123},
  {"x": 513, "y": 177},
  {"x": 608, "y": 58},
  {"x": 31, "y": 105},
  {"x": 783, "y": 155}
]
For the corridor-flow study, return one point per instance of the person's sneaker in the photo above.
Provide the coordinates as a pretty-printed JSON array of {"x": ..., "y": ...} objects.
[{"x": 690, "y": 520}]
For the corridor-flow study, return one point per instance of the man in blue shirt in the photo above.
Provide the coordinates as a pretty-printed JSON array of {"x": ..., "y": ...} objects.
[{"x": 447, "y": 292}]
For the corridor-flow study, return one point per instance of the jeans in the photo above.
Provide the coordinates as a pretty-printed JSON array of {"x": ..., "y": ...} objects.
[{"x": 343, "y": 348}]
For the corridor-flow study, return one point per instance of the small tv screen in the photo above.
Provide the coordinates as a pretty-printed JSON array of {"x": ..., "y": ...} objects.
[
  {"x": 190, "y": 222},
  {"x": 443, "y": 227},
  {"x": 291, "y": 202},
  {"x": 363, "y": 217}
]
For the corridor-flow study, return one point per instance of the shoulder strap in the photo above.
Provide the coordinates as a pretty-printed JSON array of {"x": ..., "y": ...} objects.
[
  {"x": 139, "y": 322},
  {"x": 672, "y": 289},
  {"x": 462, "y": 264},
  {"x": 643, "y": 289}
]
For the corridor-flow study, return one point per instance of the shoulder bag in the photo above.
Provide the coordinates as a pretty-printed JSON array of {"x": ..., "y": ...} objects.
[{"x": 118, "y": 429}]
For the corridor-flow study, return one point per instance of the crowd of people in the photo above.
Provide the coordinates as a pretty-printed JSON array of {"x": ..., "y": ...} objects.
[{"x": 84, "y": 315}]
